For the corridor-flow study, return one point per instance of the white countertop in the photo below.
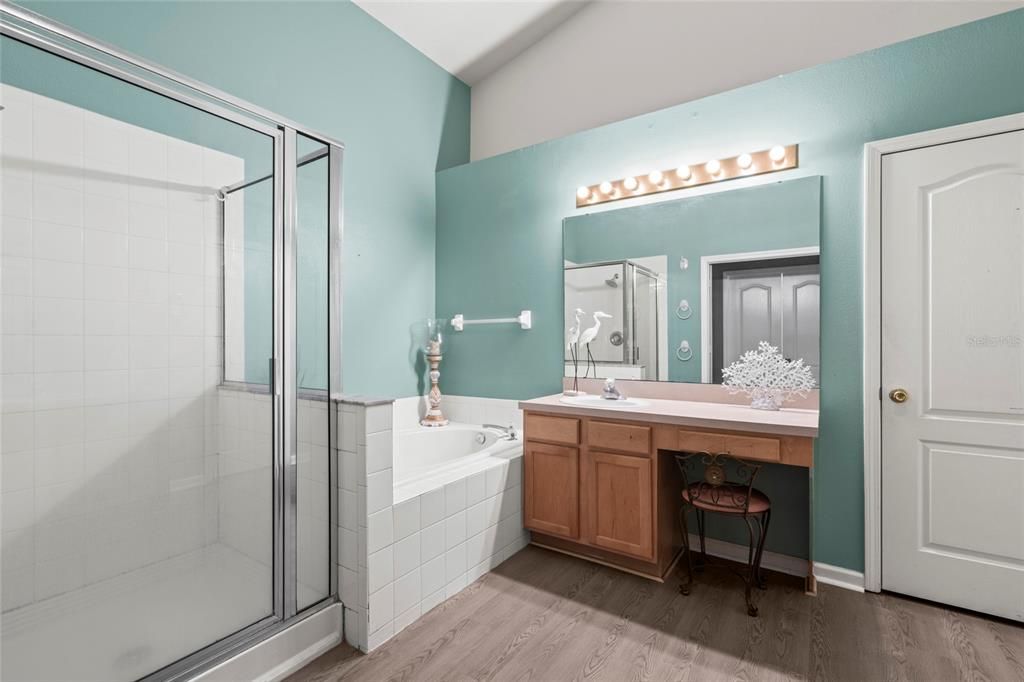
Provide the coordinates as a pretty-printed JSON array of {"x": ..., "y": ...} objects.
[{"x": 784, "y": 422}]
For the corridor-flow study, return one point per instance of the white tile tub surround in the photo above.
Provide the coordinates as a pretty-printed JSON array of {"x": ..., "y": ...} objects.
[
  {"x": 110, "y": 253},
  {"x": 411, "y": 556}
]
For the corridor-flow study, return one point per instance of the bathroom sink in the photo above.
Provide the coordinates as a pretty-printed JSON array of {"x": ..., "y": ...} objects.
[{"x": 598, "y": 401}]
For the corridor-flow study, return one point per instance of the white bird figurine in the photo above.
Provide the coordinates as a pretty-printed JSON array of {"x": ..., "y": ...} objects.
[
  {"x": 589, "y": 335},
  {"x": 574, "y": 331},
  {"x": 573, "y": 348}
]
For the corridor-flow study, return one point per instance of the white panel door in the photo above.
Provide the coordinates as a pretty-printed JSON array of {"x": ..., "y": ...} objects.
[
  {"x": 952, "y": 331},
  {"x": 752, "y": 311},
  {"x": 801, "y": 293}
]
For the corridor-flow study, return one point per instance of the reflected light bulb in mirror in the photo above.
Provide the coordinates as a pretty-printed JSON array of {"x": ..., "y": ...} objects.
[
  {"x": 777, "y": 153},
  {"x": 583, "y": 193},
  {"x": 606, "y": 187},
  {"x": 630, "y": 183},
  {"x": 656, "y": 177},
  {"x": 744, "y": 161},
  {"x": 714, "y": 167},
  {"x": 684, "y": 173}
]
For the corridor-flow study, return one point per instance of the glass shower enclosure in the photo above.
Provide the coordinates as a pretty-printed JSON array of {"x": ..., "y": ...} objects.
[
  {"x": 628, "y": 344},
  {"x": 170, "y": 338}
]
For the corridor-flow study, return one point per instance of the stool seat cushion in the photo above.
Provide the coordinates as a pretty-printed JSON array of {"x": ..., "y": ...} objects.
[{"x": 727, "y": 499}]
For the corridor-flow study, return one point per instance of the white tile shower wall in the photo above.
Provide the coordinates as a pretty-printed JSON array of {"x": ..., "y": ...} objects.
[
  {"x": 410, "y": 557},
  {"x": 314, "y": 505},
  {"x": 111, "y": 272},
  {"x": 245, "y": 473},
  {"x": 245, "y": 448}
]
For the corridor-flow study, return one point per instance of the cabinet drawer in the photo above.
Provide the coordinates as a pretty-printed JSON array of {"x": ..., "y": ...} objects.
[
  {"x": 621, "y": 437},
  {"x": 744, "y": 447},
  {"x": 553, "y": 429}
]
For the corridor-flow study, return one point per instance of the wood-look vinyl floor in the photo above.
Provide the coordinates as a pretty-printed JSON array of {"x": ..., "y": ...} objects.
[{"x": 545, "y": 616}]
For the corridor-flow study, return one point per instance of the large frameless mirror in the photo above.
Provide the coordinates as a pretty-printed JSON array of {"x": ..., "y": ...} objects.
[{"x": 678, "y": 290}]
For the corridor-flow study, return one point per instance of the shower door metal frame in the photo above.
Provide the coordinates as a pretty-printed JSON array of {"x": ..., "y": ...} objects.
[
  {"x": 629, "y": 349},
  {"x": 39, "y": 32}
]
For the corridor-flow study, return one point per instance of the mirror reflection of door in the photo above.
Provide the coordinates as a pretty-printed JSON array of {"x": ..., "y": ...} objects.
[{"x": 767, "y": 300}]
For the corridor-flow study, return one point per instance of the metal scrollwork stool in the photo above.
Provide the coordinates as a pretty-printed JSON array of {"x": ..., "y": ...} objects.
[{"x": 706, "y": 488}]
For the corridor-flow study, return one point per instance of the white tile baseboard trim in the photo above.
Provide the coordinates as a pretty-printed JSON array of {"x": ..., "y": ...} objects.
[
  {"x": 838, "y": 576},
  {"x": 279, "y": 656},
  {"x": 784, "y": 563}
]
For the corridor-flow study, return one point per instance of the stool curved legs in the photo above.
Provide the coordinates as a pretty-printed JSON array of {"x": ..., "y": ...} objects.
[
  {"x": 684, "y": 588},
  {"x": 700, "y": 534},
  {"x": 752, "y": 567},
  {"x": 763, "y": 523}
]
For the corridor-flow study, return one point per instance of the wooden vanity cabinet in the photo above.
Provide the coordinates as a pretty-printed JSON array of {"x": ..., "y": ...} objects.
[
  {"x": 604, "y": 485},
  {"x": 618, "y": 498},
  {"x": 552, "y": 477},
  {"x": 592, "y": 489}
]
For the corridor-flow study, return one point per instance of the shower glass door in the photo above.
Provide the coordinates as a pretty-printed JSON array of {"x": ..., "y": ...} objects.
[
  {"x": 313, "y": 223},
  {"x": 148, "y": 458}
]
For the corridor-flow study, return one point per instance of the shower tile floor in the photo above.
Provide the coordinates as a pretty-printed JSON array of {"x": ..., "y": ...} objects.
[{"x": 130, "y": 625}]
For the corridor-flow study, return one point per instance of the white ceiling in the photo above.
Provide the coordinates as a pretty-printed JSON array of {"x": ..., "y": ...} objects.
[
  {"x": 595, "y": 62},
  {"x": 471, "y": 38}
]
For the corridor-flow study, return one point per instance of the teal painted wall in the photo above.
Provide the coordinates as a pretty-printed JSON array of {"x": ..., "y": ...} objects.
[
  {"x": 780, "y": 215},
  {"x": 332, "y": 67},
  {"x": 499, "y": 237}
]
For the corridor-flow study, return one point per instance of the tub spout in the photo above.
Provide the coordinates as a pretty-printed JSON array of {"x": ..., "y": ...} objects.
[{"x": 508, "y": 432}]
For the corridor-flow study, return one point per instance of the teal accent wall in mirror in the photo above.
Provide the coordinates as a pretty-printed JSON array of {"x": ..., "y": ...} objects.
[{"x": 691, "y": 284}]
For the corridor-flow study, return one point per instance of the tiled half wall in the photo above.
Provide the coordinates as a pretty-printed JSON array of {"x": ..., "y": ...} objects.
[{"x": 398, "y": 561}]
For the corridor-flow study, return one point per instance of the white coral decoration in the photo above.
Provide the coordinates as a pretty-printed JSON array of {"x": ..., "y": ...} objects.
[{"x": 768, "y": 378}]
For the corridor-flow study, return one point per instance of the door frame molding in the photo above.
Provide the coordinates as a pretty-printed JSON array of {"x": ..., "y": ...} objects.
[
  {"x": 706, "y": 262},
  {"x": 872, "y": 346}
]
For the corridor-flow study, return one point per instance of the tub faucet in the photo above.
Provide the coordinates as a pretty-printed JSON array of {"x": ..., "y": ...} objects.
[{"x": 508, "y": 432}]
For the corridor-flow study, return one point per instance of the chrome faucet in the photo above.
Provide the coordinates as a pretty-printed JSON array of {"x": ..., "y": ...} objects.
[
  {"x": 610, "y": 392},
  {"x": 508, "y": 432}
]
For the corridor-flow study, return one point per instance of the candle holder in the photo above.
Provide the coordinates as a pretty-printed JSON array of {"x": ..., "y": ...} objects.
[{"x": 432, "y": 351}]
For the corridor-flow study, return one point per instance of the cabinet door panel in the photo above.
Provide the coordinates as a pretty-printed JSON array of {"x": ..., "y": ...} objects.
[
  {"x": 619, "y": 503},
  {"x": 552, "y": 489}
]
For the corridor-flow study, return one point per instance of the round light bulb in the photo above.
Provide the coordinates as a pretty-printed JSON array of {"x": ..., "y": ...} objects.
[
  {"x": 630, "y": 183},
  {"x": 713, "y": 167},
  {"x": 684, "y": 173},
  {"x": 744, "y": 161},
  {"x": 583, "y": 193},
  {"x": 656, "y": 177},
  {"x": 777, "y": 153},
  {"x": 605, "y": 187}
]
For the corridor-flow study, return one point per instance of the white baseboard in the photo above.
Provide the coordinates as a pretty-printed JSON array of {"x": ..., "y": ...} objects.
[
  {"x": 783, "y": 563},
  {"x": 279, "y": 656},
  {"x": 839, "y": 576}
]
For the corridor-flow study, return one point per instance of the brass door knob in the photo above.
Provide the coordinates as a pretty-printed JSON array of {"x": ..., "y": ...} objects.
[{"x": 899, "y": 395}]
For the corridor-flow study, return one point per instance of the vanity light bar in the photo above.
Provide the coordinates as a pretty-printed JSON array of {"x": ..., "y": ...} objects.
[{"x": 716, "y": 170}]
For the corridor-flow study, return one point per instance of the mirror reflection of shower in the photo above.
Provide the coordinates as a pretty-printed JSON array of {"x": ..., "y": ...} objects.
[{"x": 632, "y": 343}]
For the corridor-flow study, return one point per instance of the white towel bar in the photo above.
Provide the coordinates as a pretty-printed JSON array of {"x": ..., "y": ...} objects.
[{"x": 524, "y": 320}]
